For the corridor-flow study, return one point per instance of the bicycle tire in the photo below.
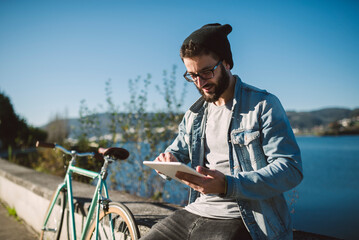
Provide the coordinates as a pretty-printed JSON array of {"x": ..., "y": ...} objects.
[
  {"x": 125, "y": 226},
  {"x": 52, "y": 230}
]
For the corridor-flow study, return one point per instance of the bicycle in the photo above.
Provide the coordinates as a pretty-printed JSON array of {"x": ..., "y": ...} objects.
[{"x": 105, "y": 219}]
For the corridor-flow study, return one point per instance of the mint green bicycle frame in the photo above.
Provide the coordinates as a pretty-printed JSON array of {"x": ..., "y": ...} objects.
[{"x": 95, "y": 203}]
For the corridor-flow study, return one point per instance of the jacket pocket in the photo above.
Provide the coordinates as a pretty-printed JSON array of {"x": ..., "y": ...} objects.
[{"x": 248, "y": 144}]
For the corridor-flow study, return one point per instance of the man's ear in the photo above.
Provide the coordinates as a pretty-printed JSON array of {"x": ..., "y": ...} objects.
[{"x": 226, "y": 65}]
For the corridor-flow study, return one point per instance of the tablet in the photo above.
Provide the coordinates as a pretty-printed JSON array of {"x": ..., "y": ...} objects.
[{"x": 171, "y": 168}]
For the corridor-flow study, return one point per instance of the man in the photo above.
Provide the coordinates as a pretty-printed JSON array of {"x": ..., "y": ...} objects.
[{"x": 238, "y": 137}]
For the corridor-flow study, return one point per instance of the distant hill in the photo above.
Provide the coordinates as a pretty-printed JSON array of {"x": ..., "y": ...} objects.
[
  {"x": 301, "y": 121},
  {"x": 322, "y": 117}
]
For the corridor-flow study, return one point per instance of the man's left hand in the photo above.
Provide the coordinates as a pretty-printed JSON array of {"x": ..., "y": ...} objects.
[{"x": 213, "y": 183}]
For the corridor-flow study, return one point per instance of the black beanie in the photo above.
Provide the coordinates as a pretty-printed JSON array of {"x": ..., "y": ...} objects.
[{"x": 214, "y": 38}]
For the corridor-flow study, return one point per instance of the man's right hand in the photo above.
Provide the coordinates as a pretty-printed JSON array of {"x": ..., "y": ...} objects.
[{"x": 165, "y": 157}]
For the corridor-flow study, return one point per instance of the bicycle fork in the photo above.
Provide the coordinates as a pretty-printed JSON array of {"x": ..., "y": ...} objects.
[{"x": 61, "y": 188}]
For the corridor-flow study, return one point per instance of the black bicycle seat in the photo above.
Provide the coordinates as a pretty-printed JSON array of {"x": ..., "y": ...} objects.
[{"x": 117, "y": 153}]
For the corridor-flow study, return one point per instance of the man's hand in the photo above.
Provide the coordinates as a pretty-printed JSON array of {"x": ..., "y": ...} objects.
[
  {"x": 214, "y": 181},
  {"x": 166, "y": 157}
]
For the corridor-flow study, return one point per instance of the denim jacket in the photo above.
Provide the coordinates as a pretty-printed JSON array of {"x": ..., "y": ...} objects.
[{"x": 264, "y": 157}]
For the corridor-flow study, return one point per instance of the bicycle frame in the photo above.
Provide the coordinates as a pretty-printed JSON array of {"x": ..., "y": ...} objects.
[{"x": 96, "y": 200}]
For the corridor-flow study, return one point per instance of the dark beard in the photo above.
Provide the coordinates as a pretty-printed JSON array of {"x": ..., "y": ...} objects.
[{"x": 220, "y": 87}]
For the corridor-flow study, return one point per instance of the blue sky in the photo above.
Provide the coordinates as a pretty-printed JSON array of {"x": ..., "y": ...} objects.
[{"x": 53, "y": 54}]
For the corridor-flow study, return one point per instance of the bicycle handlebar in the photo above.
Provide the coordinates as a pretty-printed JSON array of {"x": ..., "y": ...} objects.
[
  {"x": 64, "y": 150},
  {"x": 45, "y": 145},
  {"x": 114, "y": 153}
]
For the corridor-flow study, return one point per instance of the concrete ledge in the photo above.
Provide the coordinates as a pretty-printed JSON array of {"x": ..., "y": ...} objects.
[{"x": 29, "y": 192}]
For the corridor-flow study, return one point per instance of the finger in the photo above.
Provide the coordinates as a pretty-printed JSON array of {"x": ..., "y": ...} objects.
[
  {"x": 157, "y": 159},
  {"x": 189, "y": 178},
  {"x": 194, "y": 186},
  {"x": 102, "y": 150},
  {"x": 170, "y": 158},
  {"x": 206, "y": 171},
  {"x": 161, "y": 158}
]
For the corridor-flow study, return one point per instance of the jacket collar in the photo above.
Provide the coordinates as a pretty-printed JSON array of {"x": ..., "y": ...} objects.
[
  {"x": 198, "y": 105},
  {"x": 237, "y": 91}
]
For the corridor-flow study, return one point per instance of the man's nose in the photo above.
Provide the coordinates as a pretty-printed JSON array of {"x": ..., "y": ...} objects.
[{"x": 201, "y": 82}]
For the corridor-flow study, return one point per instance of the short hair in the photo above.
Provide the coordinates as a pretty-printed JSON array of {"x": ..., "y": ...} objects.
[{"x": 192, "y": 49}]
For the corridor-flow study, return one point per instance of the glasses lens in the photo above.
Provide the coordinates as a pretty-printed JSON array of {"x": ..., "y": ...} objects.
[
  {"x": 206, "y": 75},
  {"x": 189, "y": 77}
]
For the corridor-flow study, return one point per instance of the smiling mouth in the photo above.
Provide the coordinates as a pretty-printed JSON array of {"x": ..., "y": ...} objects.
[{"x": 207, "y": 88}]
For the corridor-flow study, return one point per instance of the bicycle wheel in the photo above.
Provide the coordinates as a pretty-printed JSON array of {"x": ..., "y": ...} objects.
[
  {"x": 115, "y": 223},
  {"x": 52, "y": 229}
]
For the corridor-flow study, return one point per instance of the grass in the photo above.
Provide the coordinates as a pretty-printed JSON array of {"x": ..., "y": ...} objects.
[{"x": 11, "y": 211}]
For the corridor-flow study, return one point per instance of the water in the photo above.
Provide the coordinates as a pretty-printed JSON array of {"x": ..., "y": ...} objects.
[{"x": 328, "y": 196}]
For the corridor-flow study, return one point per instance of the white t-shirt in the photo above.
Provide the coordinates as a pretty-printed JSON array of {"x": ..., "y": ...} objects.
[{"x": 216, "y": 157}]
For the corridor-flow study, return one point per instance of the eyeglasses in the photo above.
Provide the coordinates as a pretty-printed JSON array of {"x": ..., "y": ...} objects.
[{"x": 205, "y": 75}]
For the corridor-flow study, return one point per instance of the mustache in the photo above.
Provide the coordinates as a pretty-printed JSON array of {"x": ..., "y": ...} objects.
[{"x": 207, "y": 85}]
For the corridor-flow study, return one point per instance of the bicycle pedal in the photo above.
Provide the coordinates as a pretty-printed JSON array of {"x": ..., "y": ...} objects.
[{"x": 49, "y": 229}]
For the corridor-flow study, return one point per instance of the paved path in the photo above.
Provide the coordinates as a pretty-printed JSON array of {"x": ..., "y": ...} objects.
[{"x": 11, "y": 229}]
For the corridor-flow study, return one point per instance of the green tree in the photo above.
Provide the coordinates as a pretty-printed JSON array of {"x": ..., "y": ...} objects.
[
  {"x": 14, "y": 131},
  {"x": 9, "y": 123},
  {"x": 16, "y": 137}
]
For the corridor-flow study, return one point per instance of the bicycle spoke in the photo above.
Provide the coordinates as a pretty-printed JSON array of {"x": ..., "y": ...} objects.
[{"x": 116, "y": 224}]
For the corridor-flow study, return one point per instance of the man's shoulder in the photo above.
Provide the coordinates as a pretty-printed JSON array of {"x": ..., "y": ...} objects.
[
  {"x": 254, "y": 95},
  {"x": 250, "y": 88}
]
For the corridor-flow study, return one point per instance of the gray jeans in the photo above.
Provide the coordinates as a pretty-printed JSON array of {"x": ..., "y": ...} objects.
[{"x": 182, "y": 225}]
